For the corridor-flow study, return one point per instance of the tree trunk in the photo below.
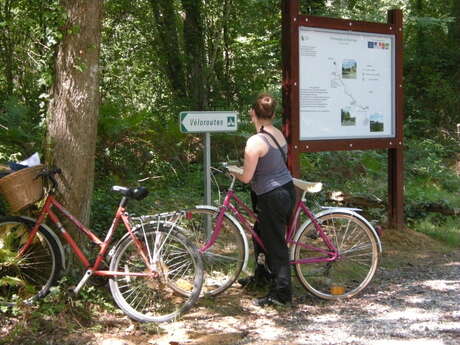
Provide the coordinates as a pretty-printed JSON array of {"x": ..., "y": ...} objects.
[
  {"x": 7, "y": 46},
  {"x": 73, "y": 111},
  {"x": 169, "y": 44},
  {"x": 195, "y": 53},
  {"x": 455, "y": 38}
]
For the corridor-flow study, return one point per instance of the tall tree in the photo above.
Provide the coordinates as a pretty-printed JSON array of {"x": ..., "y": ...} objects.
[
  {"x": 73, "y": 111},
  {"x": 167, "y": 22},
  {"x": 195, "y": 53},
  {"x": 455, "y": 38}
]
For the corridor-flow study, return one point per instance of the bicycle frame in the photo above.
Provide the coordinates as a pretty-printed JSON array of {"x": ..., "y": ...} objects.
[
  {"x": 120, "y": 215},
  {"x": 328, "y": 255}
]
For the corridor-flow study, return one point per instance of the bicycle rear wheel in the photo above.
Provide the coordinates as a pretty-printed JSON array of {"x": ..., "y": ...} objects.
[
  {"x": 224, "y": 260},
  {"x": 23, "y": 279},
  {"x": 177, "y": 286},
  {"x": 357, "y": 262}
]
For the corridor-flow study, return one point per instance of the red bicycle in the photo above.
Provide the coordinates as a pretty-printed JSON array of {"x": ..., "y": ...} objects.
[{"x": 155, "y": 272}]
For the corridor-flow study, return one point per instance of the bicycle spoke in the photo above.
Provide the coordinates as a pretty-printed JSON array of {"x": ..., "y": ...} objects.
[
  {"x": 355, "y": 266},
  {"x": 225, "y": 258},
  {"x": 154, "y": 299},
  {"x": 30, "y": 275}
]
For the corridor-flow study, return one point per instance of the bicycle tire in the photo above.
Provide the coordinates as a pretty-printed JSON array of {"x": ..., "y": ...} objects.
[
  {"x": 157, "y": 299},
  {"x": 224, "y": 260},
  {"x": 356, "y": 265},
  {"x": 29, "y": 277}
]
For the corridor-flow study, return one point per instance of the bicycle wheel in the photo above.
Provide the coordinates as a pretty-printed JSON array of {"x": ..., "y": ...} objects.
[
  {"x": 223, "y": 261},
  {"x": 178, "y": 265},
  {"x": 26, "y": 278},
  {"x": 357, "y": 262}
]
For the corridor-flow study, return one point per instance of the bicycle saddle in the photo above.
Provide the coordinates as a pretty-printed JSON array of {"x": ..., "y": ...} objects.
[
  {"x": 137, "y": 193},
  {"x": 310, "y": 187}
]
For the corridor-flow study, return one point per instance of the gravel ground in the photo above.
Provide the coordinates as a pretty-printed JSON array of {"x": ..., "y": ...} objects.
[{"x": 412, "y": 300}]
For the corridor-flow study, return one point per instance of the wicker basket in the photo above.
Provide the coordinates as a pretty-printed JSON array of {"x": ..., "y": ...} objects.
[{"x": 21, "y": 188}]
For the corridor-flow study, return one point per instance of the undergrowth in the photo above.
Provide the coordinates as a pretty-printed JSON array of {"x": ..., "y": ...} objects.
[{"x": 59, "y": 312}]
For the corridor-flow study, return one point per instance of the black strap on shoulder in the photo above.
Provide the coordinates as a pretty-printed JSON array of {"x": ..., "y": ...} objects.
[{"x": 262, "y": 130}]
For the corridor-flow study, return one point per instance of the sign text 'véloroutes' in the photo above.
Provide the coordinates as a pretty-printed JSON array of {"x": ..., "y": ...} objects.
[{"x": 208, "y": 121}]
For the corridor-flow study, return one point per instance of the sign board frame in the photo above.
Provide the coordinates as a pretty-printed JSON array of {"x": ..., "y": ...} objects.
[
  {"x": 292, "y": 21},
  {"x": 292, "y": 83}
]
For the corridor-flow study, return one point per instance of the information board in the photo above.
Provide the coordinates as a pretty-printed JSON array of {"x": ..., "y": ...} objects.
[{"x": 346, "y": 84}]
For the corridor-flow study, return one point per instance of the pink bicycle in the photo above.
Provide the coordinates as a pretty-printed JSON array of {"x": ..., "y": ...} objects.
[
  {"x": 155, "y": 273},
  {"x": 335, "y": 252}
]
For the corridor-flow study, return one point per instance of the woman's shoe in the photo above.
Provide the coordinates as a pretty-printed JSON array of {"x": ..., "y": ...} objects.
[{"x": 271, "y": 300}]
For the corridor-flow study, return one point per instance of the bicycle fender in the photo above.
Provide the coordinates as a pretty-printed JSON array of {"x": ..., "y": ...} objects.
[
  {"x": 238, "y": 226},
  {"x": 53, "y": 234},
  {"x": 351, "y": 212}
]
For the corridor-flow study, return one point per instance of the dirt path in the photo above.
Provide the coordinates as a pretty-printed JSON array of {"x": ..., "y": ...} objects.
[
  {"x": 415, "y": 302},
  {"x": 414, "y": 299}
]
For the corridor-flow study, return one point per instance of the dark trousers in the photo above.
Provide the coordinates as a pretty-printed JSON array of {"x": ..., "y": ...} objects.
[{"x": 274, "y": 210}]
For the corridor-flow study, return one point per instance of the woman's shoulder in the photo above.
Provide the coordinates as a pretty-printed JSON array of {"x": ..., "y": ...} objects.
[
  {"x": 278, "y": 134},
  {"x": 256, "y": 138},
  {"x": 257, "y": 142}
]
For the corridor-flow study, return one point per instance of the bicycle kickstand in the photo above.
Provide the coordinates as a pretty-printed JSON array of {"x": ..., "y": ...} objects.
[{"x": 83, "y": 280}]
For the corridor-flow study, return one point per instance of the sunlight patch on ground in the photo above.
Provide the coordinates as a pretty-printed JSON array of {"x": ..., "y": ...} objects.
[
  {"x": 407, "y": 342},
  {"x": 407, "y": 314},
  {"x": 416, "y": 299},
  {"x": 442, "y": 285},
  {"x": 436, "y": 326},
  {"x": 270, "y": 332},
  {"x": 327, "y": 318},
  {"x": 454, "y": 263},
  {"x": 341, "y": 335},
  {"x": 376, "y": 308}
]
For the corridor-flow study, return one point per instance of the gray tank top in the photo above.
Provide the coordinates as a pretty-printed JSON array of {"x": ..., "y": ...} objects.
[{"x": 271, "y": 171}]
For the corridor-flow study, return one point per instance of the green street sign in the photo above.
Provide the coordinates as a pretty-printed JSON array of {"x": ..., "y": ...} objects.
[{"x": 208, "y": 121}]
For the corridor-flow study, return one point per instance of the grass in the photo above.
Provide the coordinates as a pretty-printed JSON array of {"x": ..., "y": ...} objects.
[{"x": 448, "y": 231}]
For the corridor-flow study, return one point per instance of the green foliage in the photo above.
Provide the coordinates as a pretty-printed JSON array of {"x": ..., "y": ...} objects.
[
  {"x": 66, "y": 311},
  {"x": 431, "y": 86},
  {"x": 430, "y": 178},
  {"x": 21, "y": 130},
  {"x": 445, "y": 229}
]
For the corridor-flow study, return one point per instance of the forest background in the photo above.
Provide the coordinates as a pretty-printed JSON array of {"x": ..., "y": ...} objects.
[{"x": 161, "y": 57}]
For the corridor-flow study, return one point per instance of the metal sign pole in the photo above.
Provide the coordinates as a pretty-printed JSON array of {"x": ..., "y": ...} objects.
[
  {"x": 207, "y": 167},
  {"x": 207, "y": 178}
]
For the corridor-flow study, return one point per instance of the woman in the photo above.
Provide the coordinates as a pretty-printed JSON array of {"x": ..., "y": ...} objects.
[{"x": 271, "y": 184}]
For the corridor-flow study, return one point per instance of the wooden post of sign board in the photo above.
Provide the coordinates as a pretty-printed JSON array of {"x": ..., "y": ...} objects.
[
  {"x": 290, "y": 11},
  {"x": 395, "y": 155}
]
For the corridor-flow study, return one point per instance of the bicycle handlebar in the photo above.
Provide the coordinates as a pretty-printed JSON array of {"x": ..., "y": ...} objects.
[
  {"x": 235, "y": 169},
  {"x": 49, "y": 173}
]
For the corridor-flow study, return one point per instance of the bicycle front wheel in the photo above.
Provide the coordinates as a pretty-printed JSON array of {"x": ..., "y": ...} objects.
[
  {"x": 224, "y": 260},
  {"x": 25, "y": 278},
  {"x": 178, "y": 276},
  {"x": 351, "y": 272}
]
